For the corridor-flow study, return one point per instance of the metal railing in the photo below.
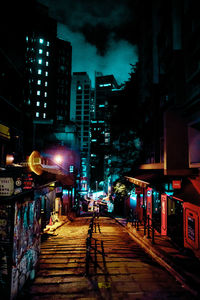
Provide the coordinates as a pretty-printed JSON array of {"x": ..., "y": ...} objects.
[
  {"x": 148, "y": 225},
  {"x": 88, "y": 244}
]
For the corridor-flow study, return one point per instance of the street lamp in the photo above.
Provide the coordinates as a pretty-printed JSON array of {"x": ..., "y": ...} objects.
[{"x": 58, "y": 159}]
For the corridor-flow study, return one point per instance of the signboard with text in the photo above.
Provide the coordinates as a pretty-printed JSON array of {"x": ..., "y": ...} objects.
[
  {"x": 6, "y": 186},
  {"x": 176, "y": 184}
]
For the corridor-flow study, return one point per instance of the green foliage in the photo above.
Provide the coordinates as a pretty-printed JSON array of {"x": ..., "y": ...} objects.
[{"x": 122, "y": 188}]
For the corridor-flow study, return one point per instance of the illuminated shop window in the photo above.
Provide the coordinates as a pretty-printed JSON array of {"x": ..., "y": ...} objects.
[
  {"x": 39, "y": 82},
  {"x": 41, "y": 41},
  {"x": 46, "y": 83},
  {"x": 39, "y": 72},
  {"x": 37, "y": 114},
  {"x": 40, "y": 51},
  {"x": 39, "y": 61},
  {"x": 47, "y": 63},
  {"x": 44, "y": 115},
  {"x": 38, "y": 93},
  {"x": 46, "y": 73},
  {"x": 38, "y": 103}
]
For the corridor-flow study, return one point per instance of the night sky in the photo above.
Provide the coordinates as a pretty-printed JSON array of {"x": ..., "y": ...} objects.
[{"x": 102, "y": 33}]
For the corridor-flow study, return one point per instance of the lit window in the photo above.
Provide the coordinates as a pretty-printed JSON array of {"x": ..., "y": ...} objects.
[
  {"x": 44, "y": 115},
  {"x": 46, "y": 73},
  {"x": 45, "y": 94},
  {"x": 39, "y": 82},
  {"x": 71, "y": 169},
  {"x": 45, "y": 104},
  {"x": 29, "y": 101},
  {"x": 40, "y": 51},
  {"x": 27, "y": 38},
  {"x": 39, "y": 61},
  {"x": 47, "y": 63},
  {"x": 47, "y": 43},
  {"x": 79, "y": 87},
  {"x": 105, "y": 84},
  {"x": 41, "y": 41},
  {"x": 37, "y": 114},
  {"x": 38, "y": 93},
  {"x": 47, "y": 53},
  {"x": 46, "y": 83},
  {"x": 39, "y": 71},
  {"x": 38, "y": 103}
]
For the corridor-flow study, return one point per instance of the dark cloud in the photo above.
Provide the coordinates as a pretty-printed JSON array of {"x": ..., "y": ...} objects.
[
  {"x": 97, "y": 19},
  {"x": 98, "y": 36},
  {"x": 102, "y": 33}
]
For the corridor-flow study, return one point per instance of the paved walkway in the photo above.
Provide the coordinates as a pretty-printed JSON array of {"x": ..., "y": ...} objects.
[
  {"x": 182, "y": 264},
  {"x": 119, "y": 268}
]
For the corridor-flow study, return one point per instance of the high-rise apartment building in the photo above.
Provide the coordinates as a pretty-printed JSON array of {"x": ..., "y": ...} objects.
[
  {"x": 47, "y": 76},
  {"x": 100, "y": 127},
  {"x": 80, "y": 114},
  {"x": 62, "y": 77}
]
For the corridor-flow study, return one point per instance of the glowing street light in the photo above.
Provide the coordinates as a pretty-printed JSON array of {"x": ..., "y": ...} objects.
[{"x": 58, "y": 159}]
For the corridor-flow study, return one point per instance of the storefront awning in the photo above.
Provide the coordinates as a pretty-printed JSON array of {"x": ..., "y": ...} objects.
[
  {"x": 144, "y": 180},
  {"x": 137, "y": 181}
]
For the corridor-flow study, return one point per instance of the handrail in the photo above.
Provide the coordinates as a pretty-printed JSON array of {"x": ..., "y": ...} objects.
[
  {"x": 148, "y": 223},
  {"x": 88, "y": 245}
]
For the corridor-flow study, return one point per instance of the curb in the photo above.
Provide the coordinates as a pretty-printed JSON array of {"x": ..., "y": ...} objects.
[{"x": 159, "y": 258}]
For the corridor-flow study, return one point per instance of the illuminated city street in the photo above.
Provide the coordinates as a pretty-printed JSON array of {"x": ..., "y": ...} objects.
[
  {"x": 118, "y": 268},
  {"x": 100, "y": 150}
]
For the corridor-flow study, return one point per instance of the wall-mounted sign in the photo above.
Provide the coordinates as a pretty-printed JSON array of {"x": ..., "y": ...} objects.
[
  {"x": 163, "y": 214},
  {"x": 28, "y": 182},
  {"x": 6, "y": 186},
  {"x": 176, "y": 184},
  {"x": 149, "y": 193},
  {"x": 4, "y": 132},
  {"x": 34, "y": 162},
  {"x": 149, "y": 204}
]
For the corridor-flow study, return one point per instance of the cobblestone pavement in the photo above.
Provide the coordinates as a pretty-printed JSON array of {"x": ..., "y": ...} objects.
[{"x": 118, "y": 269}]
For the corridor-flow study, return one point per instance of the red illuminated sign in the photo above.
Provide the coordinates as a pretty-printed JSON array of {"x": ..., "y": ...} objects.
[
  {"x": 28, "y": 182},
  {"x": 176, "y": 184},
  {"x": 163, "y": 214},
  {"x": 149, "y": 204}
]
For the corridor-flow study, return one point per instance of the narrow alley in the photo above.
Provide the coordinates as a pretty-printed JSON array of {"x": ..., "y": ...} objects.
[{"x": 118, "y": 267}]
